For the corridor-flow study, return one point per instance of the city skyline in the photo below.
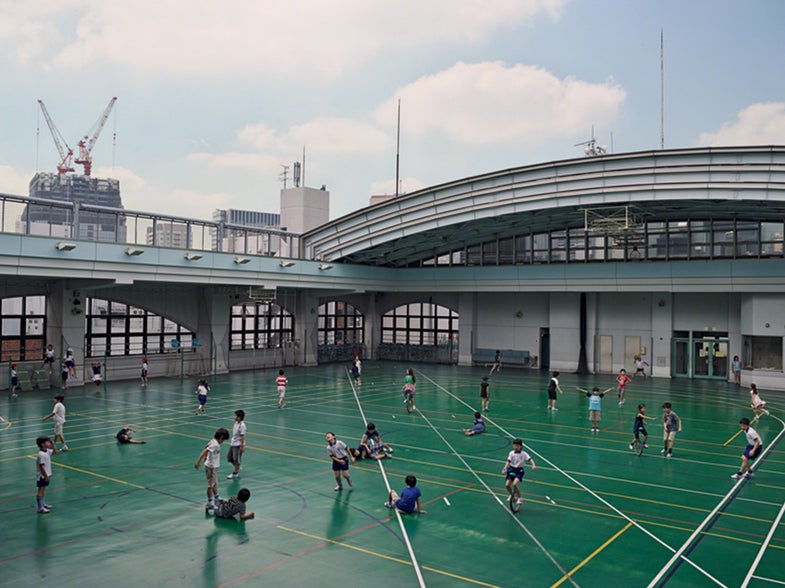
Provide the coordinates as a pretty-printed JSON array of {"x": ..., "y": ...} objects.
[{"x": 212, "y": 104}]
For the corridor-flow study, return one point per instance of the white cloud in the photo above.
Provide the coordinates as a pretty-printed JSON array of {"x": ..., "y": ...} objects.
[
  {"x": 491, "y": 102},
  {"x": 295, "y": 38},
  {"x": 336, "y": 135},
  {"x": 13, "y": 181},
  {"x": 758, "y": 124}
]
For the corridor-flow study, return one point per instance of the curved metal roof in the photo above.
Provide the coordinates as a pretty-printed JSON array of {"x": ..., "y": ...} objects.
[{"x": 701, "y": 183}]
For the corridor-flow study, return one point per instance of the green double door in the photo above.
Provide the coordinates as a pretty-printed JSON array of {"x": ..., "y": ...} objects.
[{"x": 701, "y": 358}]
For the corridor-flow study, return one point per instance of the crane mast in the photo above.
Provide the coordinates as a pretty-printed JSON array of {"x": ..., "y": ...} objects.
[
  {"x": 87, "y": 142},
  {"x": 65, "y": 152}
]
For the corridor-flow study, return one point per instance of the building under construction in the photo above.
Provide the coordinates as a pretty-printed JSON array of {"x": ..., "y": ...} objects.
[{"x": 77, "y": 217}]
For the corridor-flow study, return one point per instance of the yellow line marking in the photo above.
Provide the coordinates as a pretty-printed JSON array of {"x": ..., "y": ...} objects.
[
  {"x": 732, "y": 438},
  {"x": 591, "y": 556},
  {"x": 89, "y": 473},
  {"x": 387, "y": 557}
]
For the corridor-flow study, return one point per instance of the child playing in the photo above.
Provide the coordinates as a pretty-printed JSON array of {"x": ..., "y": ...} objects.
[
  {"x": 340, "y": 460},
  {"x": 553, "y": 387},
  {"x": 736, "y": 368},
  {"x": 97, "y": 377},
  {"x": 145, "y": 369},
  {"x": 357, "y": 371},
  {"x": 14, "y": 381},
  {"x": 409, "y": 500},
  {"x": 671, "y": 424},
  {"x": 478, "y": 427},
  {"x": 64, "y": 371},
  {"x": 281, "y": 382},
  {"x": 211, "y": 455},
  {"x": 70, "y": 362},
  {"x": 202, "y": 390},
  {"x": 513, "y": 469},
  {"x": 409, "y": 387},
  {"x": 640, "y": 366},
  {"x": 758, "y": 405},
  {"x": 497, "y": 362},
  {"x": 485, "y": 398},
  {"x": 49, "y": 359},
  {"x": 123, "y": 436},
  {"x": 371, "y": 445},
  {"x": 639, "y": 426},
  {"x": 622, "y": 379},
  {"x": 595, "y": 411},
  {"x": 43, "y": 471},
  {"x": 234, "y": 507},
  {"x": 753, "y": 450},
  {"x": 237, "y": 446},
  {"x": 58, "y": 416}
]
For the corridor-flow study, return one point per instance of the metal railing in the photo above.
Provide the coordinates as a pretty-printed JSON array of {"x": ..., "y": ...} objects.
[{"x": 88, "y": 222}]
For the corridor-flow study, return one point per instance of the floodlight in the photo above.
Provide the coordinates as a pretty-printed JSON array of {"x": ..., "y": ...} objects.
[
  {"x": 133, "y": 251},
  {"x": 193, "y": 256},
  {"x": 325, "y": 266},
  {"x": 241, "y": 260},
  {"x": 65, "y": 246},
  {"x": 286, "y": 264}
]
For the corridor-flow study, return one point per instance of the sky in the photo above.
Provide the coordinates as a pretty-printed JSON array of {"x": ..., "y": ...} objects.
[{"x": 213, "y": 99}]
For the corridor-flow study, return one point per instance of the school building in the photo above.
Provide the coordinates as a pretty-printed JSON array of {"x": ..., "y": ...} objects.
[{"x": 674, "y": 255}]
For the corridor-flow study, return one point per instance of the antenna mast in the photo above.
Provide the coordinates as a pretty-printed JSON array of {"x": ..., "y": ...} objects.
[
  {"x": 662, "y": 90},
  {"x": 398, "y": 150}
]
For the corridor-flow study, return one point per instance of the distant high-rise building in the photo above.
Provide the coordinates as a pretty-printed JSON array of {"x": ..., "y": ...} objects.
[
  {"x": 234, "y": 238},
  {"x": 169, "y": 235},
  {"x": 46, "y": 219}
]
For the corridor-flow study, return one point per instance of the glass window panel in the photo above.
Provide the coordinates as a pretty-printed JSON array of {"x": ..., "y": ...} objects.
[
  {"x": 12, "y": 327},
  {"x": 117, "y": 346},
  {"x": 34, "y": 326},
  {"x": 12, "y": 305}
]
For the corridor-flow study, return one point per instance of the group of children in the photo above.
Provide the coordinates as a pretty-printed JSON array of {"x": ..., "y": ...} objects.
[{"x": 234, "y": 507}]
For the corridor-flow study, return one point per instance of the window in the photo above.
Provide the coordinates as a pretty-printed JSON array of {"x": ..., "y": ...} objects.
[
  {"x": 22, "y": 328},
  {"x": 114, "y": 328},
  {"x": 260, "y": 325},
  {"x": 419, "y": 323},
  {"x": 339, "y": 323},
  {"x": 762, "y": 353}
]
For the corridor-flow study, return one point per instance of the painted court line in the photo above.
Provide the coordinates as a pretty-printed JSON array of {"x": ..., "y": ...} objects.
[
  {"x": 408, "y": 543},
  {"x": 587, "y": 489}
]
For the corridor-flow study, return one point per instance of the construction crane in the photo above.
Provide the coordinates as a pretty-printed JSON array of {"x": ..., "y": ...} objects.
[
  {"x": 65, "y": 152},
  {"x": 87, "y": 142}
]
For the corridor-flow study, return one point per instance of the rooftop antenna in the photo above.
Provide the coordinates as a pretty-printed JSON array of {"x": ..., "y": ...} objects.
[
  {"x": 303, "y": 168},
  {"x": 662, "y": 90},
  {"x": 591, "y": 148},
  {"x": 284, "y": 175},
  {"x": 398, "y": 150}
]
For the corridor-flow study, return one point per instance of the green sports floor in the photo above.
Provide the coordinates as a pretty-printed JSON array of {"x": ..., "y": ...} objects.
[{"x": 594, "y": 513}]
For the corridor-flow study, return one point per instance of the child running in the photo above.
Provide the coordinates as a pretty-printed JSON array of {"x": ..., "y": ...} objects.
[
  {"x": 621, "y": 381},
  {"x": 211, "y": 454},
  {"x": 639, "y": 426},
  {"x": 671, "y": 424},
  {"x": 339, "y": 456},
  {"x": 202, "y": 390},
  {"x": 758, "y": 405},
  {"x": 280, "y": 383},
  {"x": 595, "y": 410},
  {"x": 753, "y": 450},
  {"x": 409, "y": 386},
  {"x": 513, "y": 469},
  {"x": 485, "y": 397}
]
